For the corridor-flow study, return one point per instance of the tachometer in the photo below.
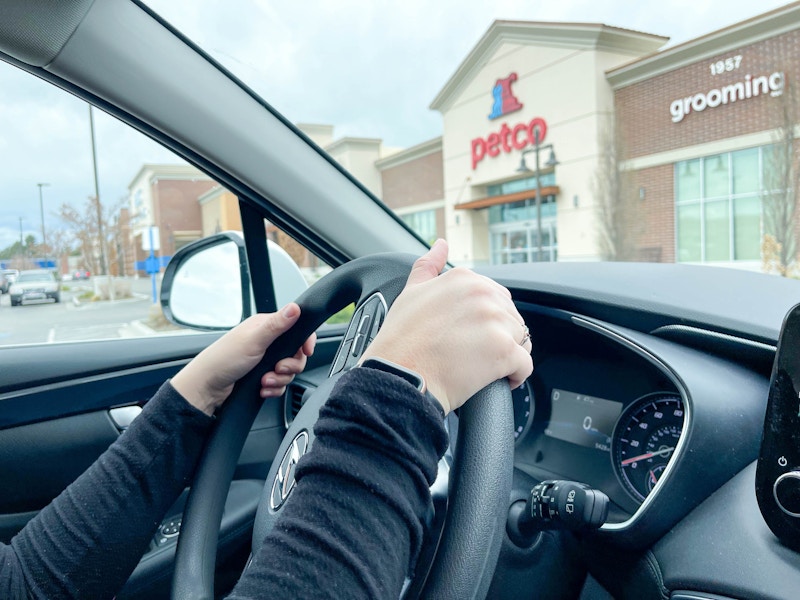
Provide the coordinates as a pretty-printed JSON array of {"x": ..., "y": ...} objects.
[
  {"x": 523, "y": 409},
  {"x": 644, "y": 440}
]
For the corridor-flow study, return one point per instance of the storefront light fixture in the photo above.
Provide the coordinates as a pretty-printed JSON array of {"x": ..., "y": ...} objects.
[{"x": 550, "y": 164}]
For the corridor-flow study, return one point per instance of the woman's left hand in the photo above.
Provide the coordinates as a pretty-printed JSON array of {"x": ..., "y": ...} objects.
[{"x": 208, "y": 379}]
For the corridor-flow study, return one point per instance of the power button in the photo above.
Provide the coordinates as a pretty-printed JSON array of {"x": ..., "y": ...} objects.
[{"x": 787, "y": 493}]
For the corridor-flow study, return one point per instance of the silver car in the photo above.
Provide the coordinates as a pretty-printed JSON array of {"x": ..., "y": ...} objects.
[{"x": 35, "y": 285}]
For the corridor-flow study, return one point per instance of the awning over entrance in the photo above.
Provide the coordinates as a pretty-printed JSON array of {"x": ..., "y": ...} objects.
[{"x": 550, "y": 190}]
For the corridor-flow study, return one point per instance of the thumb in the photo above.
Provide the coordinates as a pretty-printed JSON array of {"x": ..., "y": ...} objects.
[
  {"x": 270, "y": 326},
  {"x": 429, "y": 265}
]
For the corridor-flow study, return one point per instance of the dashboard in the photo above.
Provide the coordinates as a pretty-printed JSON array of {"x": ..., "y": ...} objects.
[
  {"x": 662, "y": 417},
  {"x": 597, "y": 411}
]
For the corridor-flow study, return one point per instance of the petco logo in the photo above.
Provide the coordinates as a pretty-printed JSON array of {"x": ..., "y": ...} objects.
[{"x": 504, "y": 100}]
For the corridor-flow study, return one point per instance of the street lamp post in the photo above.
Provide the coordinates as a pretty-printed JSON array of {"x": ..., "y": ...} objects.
[
  {"x": 41, "y": 210},
  {"x": 523, "y": 168}
]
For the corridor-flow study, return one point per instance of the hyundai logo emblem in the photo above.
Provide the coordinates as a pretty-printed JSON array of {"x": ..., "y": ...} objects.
[{"x": 284, "y": 478}]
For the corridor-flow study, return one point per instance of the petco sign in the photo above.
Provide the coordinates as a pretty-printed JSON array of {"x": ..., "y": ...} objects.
[
  {"x": 508, "y": 139},
  {"x": 751, "y": 87}
]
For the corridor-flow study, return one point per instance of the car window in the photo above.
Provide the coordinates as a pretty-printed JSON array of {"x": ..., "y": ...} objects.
[
  {"x": 570, "y": 132},
  {"x": 104, "y": 249}
]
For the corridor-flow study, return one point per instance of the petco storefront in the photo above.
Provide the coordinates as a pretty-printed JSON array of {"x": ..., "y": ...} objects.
[
  {"x": 588, "y": 142},
  {"x": 522, "y": 122}
]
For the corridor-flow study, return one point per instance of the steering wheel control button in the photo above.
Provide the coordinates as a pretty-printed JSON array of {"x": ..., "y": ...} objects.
[
  {"x": 360, "y": 341},
  {"x": 168, "y": 530},
  {"x": 363, "y": 328},
  {"x": 787, "y": 493},
  {"x": 782, "y": 462}
]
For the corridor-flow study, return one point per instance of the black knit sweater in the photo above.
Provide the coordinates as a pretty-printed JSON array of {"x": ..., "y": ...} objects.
[{"x": 353, "y": 525}]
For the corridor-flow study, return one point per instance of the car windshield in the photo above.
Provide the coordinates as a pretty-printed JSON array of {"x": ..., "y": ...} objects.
[
  {"x": 34, "y": 277},
  {"x": 520, "y": 132}
]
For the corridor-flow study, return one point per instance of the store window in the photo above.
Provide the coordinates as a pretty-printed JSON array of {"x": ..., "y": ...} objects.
[
  {"x": 423, "y": 223},
  {"x": 718, "y": 206}
]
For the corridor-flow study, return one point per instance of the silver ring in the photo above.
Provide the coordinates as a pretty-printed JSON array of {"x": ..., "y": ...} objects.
[{"x": 526, "y": 335}]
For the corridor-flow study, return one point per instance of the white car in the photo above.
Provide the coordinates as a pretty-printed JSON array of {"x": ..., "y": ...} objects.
[{"x": 35, "y": 285}]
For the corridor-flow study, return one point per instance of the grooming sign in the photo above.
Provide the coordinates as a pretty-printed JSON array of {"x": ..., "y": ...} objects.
[{"x": 748, "y": 86}]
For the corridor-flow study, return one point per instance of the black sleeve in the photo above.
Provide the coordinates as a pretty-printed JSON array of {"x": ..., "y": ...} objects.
[
  {"x": 86, "y": 543},
  {"x": 355, "y": 522}
]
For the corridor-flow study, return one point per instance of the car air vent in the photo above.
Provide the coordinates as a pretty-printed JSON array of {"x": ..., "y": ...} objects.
[{"x": 293, "y": 401}]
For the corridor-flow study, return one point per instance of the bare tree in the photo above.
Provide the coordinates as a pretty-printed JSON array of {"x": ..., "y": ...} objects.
[
  {"x": 618, "y": 220},
  {"x": 780, "y": 188},
  {"x": 85, "y": 228}
]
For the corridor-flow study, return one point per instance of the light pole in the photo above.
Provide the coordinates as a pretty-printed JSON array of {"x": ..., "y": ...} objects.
[
  {"x": 41, "y": 210},
  {"x": 523, "y": 168},
  {"x": 97, "y": 198}
]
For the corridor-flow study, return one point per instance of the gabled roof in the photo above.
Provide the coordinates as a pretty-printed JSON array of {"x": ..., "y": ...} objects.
[{"x": 582, "y": 36}]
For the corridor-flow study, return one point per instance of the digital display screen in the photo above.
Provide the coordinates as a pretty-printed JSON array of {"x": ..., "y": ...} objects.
[{"x": 583, "y": 420}]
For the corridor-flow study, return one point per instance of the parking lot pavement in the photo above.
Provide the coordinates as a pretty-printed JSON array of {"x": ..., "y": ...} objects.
[{"x": 48, "y": 322}]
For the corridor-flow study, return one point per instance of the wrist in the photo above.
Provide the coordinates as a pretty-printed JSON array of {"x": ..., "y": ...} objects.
[
  {"x": 196, "y": 393},
  {"x": 411, "y": 376}
]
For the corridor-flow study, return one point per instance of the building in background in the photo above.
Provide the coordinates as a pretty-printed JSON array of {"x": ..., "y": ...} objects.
[
  {"x": 165, "y": 197},
  {"x": 707, "y": 130}
]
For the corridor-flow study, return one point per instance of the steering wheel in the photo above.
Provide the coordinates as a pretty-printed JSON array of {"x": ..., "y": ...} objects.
[{"x": 461, "y": 561}]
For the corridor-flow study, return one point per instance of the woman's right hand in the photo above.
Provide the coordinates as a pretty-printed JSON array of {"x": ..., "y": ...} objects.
[{"x": 459, "y": 330}]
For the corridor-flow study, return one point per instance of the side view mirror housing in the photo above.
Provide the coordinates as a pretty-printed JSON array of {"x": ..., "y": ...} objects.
[{"x": 206, "y": 285}]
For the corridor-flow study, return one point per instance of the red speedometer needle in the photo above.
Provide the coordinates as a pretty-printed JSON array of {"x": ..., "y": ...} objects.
[{"x": 661, "y": 452}]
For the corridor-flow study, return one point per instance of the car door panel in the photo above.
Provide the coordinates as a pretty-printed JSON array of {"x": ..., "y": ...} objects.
[{"x": 50, "y": 433}]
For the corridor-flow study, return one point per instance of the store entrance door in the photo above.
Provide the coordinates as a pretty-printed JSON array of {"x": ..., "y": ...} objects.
[{"x": 518, "y": 242}]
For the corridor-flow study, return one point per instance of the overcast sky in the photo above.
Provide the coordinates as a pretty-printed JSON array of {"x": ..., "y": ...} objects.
[{"x": 370, "y": 68}]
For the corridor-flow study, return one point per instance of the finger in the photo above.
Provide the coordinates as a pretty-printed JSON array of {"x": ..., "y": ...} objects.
[
  {"x": 272, "y": 392},
  {"x": 429, "y": 265},
  {"x": 273, "y": 380},
  {"x": 309, "y": 345},
  {"x": 270, "y": 326},
  {"x": 292, "y": 365},
  {"x": 521, "y": 367}
]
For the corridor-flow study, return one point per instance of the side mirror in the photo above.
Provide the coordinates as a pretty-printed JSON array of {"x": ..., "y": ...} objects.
[{"x": 207, "y": 283}]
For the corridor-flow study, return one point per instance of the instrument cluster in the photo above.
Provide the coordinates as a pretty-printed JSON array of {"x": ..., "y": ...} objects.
[{"x": 598, "y": 412}]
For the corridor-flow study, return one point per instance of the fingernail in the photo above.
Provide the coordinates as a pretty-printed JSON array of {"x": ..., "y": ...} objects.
[
  {"x": 289, "y": 311},
  {"x": 270, "y": 381},
  {"x": 282, "y": 369}
]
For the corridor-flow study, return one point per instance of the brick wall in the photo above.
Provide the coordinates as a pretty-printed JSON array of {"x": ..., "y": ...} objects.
[
  {"x": 656, "y": 238},
  {"x": 177, "y": 209},
  {"x": 643, "y": 109},
  {"x": 414, "y": 182}
]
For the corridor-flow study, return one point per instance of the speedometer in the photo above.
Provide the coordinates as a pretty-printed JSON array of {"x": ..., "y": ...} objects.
[
  {"x": 523, "y": 409},
  {"x": 644, "y": 441}
]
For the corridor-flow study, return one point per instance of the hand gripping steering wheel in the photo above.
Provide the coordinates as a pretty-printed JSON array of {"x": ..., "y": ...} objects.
[{"x": 462, "y": 563}]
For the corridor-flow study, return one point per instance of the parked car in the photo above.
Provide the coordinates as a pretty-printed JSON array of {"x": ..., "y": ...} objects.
[
  {"x": 81, "y": 274},
  {"x": 651, "y": 380},
  {"x": 39, "y": 284},
  {"x": 7, "y": 277}
]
